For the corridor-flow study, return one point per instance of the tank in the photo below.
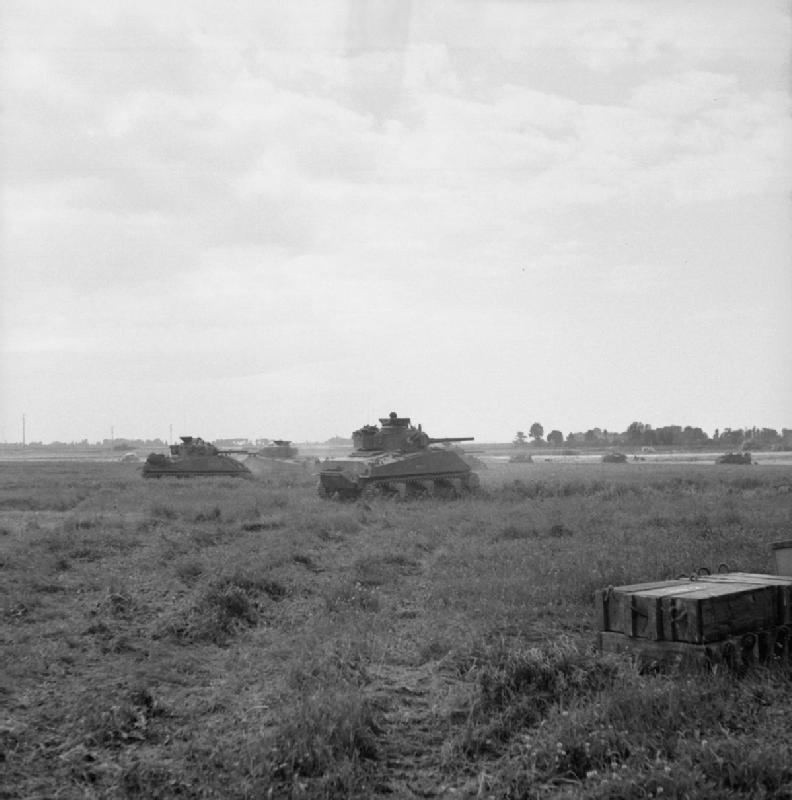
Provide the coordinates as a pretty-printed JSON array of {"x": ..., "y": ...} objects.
[
  {"x": 735, "y": 458},
  {"x": 278, "y": 457},
  {"x": 193, "y": 458},
  {"x": 397, "y": 458},
  {"x": 279, "y": 448}
]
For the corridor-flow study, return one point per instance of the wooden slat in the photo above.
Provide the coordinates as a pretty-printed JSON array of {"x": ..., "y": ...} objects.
[
  {"x": 765, "y": 645},
  {"x": 749, "y": 577},
  {"x": 649, "y": 650}
]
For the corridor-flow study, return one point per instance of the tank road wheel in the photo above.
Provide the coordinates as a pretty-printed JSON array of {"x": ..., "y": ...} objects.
[
  {"x": 470, "y": 483},
  {"x": 414, "y": 489},
  {"x": 444, "y": 488},
  {"x": 370, "y": 491},
  {"x": 383, "y": 490}
]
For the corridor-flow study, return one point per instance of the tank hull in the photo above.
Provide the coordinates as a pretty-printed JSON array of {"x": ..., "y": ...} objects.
[
  {"x": 430, "y": 470},
  {"x": 278, "y": 451},
  {"x": 199, "y": 466}
]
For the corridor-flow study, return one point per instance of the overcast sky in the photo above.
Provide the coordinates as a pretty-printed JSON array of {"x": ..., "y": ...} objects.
[{"x": 286, "y": 219}]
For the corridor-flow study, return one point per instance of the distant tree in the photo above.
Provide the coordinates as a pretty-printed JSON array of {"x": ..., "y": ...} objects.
[
  {"x": 692, "y": 437},
  {"x": 536, "y": 432},
  {"x": 758, "y": 438},
  {"x": 555, "y": 438},
  {"x": 730, "y": 437},
  {"x": 520, "y": 440},
  {"x": 768, "y": 436},
  {"x": 635, "y": 433},
  {"x": 667, "y": 435},
  {"x": 648, "y": 439}
]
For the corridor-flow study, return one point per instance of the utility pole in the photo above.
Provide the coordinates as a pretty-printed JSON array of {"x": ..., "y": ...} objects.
[{"x": 23, "y": 431}]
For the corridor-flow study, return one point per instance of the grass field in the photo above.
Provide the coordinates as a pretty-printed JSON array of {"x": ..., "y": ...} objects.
[{"x": 246, "y": 639}]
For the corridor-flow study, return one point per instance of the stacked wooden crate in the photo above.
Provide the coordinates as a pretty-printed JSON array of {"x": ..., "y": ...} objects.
[{"x": 733, "y": 616}]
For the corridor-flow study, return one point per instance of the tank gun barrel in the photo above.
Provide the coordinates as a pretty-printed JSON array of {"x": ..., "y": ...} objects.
[{"x": 444, "y": 439}]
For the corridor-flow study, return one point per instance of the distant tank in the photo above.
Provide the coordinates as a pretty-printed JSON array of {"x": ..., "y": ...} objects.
[
  {"x": 397, "y": 458},
  {"x": 279, "y": 448},
  {"x": 277, "y": 458},
  {"x": 193, "y": 458},
  {"x": 735, "y": 458}
]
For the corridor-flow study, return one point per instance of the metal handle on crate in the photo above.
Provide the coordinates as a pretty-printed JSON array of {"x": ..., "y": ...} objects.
[
  {"x": 723, "y": 567},
  {"x": 694, "y": 576}
]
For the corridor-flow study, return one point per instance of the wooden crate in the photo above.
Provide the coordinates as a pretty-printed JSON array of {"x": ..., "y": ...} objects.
[
  {"x": 708, "y": 609},
  {"x": 782, "y": 584},
  {"x": 634, "y": 610},
  {"x": 716, "y": 610}
]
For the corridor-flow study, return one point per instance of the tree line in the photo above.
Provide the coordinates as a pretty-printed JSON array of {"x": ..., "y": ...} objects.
[{"x": 640, "y": 434}]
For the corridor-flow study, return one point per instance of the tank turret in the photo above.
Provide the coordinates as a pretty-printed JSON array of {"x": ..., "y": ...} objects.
[
  {"x": 397, "y": 456},
  {"x": 397, "y": 434},
  {"x": 193, "y": 446},
  {"x": 278, "y": 448}
]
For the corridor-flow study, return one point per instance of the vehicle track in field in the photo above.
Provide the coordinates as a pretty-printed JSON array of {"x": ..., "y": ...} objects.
[{"x": 418, "y": 702}]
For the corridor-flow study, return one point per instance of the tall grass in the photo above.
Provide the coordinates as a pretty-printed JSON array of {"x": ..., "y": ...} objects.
[{"x": 246, "y": 639}]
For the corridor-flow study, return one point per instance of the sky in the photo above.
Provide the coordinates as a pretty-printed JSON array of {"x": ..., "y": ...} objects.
[{"x": 285, "y": 220}]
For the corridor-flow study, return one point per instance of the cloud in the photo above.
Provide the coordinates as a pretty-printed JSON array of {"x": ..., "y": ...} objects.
[
  {"x": 685, "y": 94},
  {"x": 195, "y": 191}
]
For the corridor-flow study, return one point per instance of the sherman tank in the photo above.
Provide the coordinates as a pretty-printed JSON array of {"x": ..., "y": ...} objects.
[
  {"x": 276, "y": 458},
  {"x": 193, "y": 458},
  {"x": 397, "y": 458},
  {"x": 278, "y": 448}
]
